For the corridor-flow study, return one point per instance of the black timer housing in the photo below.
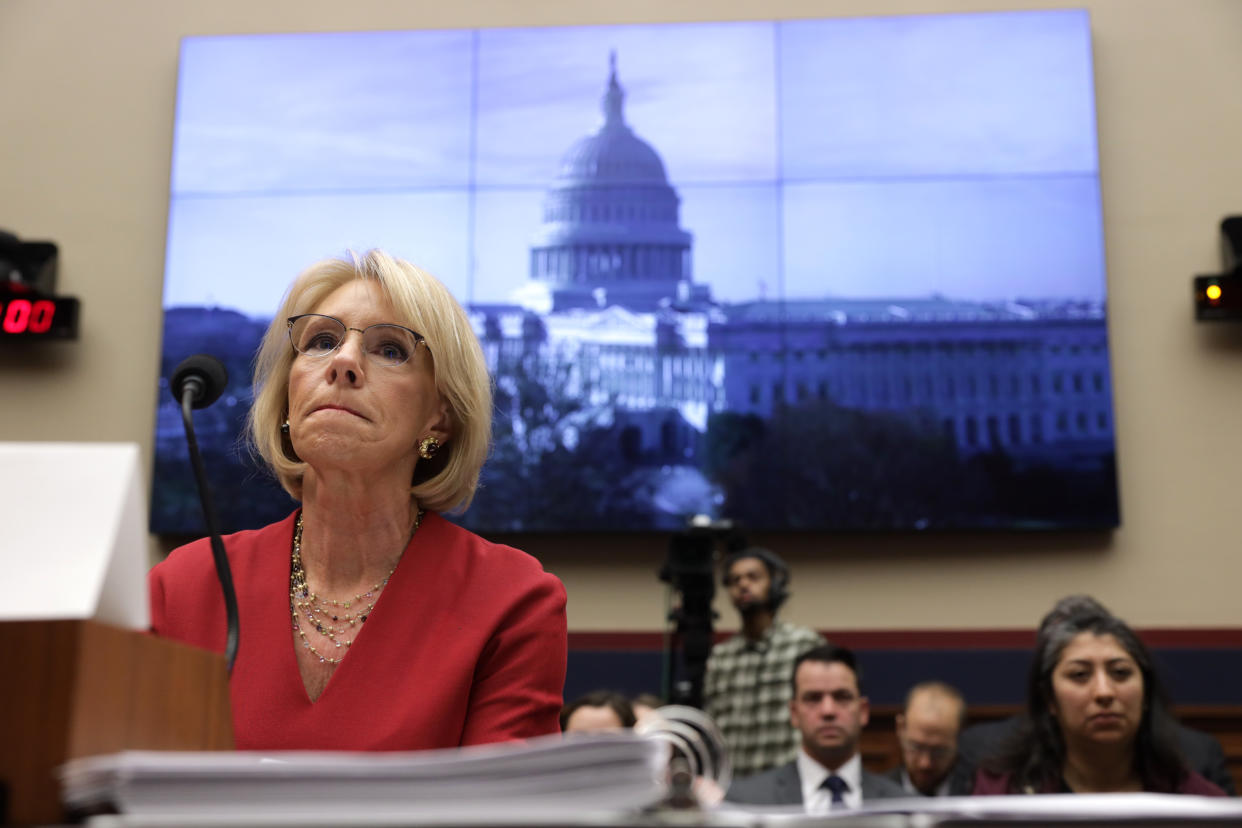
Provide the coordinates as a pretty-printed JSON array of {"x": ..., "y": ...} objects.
[{"x": 29, "y": 308}]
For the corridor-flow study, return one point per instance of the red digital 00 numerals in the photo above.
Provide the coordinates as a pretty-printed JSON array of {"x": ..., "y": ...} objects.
[{"x": 24, "y": 316}]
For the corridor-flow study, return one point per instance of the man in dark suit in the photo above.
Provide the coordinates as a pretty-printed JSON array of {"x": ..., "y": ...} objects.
[
  {"x": 829, "y": 711},
  {"x": 927, "y": 730}
]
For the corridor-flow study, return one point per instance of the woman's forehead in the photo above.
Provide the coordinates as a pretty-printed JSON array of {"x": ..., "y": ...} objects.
[
  {"x": 357, "y": 298},
  {"x": 1091, "y": 646}
]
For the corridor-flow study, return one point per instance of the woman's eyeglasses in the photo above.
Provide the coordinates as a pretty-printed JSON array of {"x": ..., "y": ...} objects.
[{"x": 316, "y": 335}]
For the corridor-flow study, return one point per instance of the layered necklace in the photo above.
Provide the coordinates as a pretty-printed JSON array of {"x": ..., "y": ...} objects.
[{"x": 338, "y": 621}]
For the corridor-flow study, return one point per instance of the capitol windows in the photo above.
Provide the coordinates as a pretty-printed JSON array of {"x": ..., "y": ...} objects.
[
  {"x": 1037, "y": 428},
  {"x": 1062, "y": 423},
  {"x": 1057, "y": 382},
  {"x": 993, "y": 431},
  {"x": 1078, "y": 382},
  {"x": 1097, "y": 381},
  {"x": 972, "y": 387},
  {"x": 1101, "y": 420},
  {"x": 994, "y": 386},
  {"x": 1015, "y": 429},
  {"x": 778, "y": 393},
  {"x": 1081, "y": 419},
  {"x": 801, "y": 391},
  {"x": 972, "y": 432},
  {"x": 1034, "y": 383},
  {"x": 822, "y": 389}
]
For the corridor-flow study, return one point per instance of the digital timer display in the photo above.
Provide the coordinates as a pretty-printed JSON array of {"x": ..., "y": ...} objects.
[{"x": 31, "y": 317}]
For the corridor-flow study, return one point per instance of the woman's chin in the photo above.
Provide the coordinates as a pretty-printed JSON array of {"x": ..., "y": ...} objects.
[
  {"x": 1108, "y": 736},
  {"x": 334, "y": 452}
]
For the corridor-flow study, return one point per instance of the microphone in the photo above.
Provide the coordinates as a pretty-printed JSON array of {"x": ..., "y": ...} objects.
[
  {"x": 198, "y": 382},
  {"x": 697, "y": 749},
  {"x": 203, "y": 376}
]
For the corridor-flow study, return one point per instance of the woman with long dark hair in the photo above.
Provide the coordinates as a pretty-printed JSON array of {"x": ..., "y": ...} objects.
[{"x": 1098, "y": 719}]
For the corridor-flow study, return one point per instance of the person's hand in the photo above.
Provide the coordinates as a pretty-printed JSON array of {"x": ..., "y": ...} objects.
[{"x": 707, "y": 792}]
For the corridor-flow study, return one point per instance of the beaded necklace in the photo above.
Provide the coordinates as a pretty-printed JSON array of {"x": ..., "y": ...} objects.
[{"x": 329, "y": 617}]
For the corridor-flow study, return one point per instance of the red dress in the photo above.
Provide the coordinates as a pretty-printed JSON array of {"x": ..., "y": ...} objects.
[{"x": 466, "y": 644}]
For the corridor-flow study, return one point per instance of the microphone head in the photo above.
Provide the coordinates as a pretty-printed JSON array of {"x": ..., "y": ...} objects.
[
  {"x": 204, "y": 376},
  {"x": 691, "y": 735}
]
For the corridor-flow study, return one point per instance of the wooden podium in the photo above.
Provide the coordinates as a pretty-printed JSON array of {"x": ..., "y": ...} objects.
[{"x": 81, "y": 688}]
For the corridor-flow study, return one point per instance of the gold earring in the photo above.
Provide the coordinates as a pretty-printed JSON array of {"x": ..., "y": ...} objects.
[{"x": 428, "y": 447}]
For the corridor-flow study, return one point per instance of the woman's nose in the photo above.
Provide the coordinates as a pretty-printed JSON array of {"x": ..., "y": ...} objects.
[
  {"x": 1102, "y": 686},
  {"x": 347, "y": 358}
]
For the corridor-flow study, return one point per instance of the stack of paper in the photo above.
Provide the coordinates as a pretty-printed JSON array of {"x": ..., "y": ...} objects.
[
  {"x": 549, "y": 778},
  {"x": 1114, "y": 810}
]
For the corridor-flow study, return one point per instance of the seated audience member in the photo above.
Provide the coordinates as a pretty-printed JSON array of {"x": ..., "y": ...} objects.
[
  {"x": 644, "y": 703},
  {"x": 600, "y": 710},
  {"x": 985, "y": 741},
  {"x": 927, "y": 729},
  {"x": 746, "y": 688},
  {"x": 829, "y": 711},
  {"x": 1097, "y": 718}
]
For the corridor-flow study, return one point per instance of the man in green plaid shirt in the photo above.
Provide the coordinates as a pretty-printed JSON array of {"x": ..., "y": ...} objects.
[{"x": 747, "y": 687}]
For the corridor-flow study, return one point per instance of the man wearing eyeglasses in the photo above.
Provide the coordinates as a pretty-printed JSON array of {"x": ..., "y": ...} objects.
[{"x": 927, "y": 730}]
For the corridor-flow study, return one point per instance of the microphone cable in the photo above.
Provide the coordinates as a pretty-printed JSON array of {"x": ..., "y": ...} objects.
[{"x": 198, "y": 382}]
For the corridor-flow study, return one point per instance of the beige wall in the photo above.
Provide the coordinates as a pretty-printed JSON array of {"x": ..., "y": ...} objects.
[{"x": 86, "y": 110}]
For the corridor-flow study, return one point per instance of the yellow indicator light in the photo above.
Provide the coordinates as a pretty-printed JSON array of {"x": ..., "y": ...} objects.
[{"x": 1213, "y": 292}]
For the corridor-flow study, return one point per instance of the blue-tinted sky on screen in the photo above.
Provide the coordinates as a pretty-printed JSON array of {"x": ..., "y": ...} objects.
[{"x": 868, "y": 157}]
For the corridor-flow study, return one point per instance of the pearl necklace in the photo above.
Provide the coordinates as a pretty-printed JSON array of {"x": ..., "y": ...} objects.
[{"x": 327, "y": 616}]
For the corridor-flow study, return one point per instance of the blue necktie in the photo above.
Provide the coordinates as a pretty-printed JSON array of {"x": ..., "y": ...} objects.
[{"x": 838, "y": 787}]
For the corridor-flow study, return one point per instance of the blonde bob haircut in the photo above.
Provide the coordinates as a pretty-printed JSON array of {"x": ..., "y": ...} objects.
[{"x": 443, "y": 484}]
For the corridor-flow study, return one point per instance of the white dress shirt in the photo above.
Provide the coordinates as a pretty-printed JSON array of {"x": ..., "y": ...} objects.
[{"x": 817, "y": 800}]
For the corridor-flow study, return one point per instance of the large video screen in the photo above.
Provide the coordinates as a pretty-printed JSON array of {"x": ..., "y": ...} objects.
[{"x": 830, "y": 274}]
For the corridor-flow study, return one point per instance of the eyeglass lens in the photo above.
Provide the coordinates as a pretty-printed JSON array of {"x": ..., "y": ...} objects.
[{"x": 316, "y": 335}]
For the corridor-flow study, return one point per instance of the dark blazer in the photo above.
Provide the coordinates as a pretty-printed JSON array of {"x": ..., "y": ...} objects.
[
  {"x": 1202, "y": 751},
  {"x": 783, "y": 786},
  {"x": 961, "y": 778}
]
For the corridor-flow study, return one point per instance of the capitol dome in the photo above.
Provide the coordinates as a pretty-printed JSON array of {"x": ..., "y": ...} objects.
[
  {"x": 611, "y": 231},
  {"x": 615, "y": 154}
]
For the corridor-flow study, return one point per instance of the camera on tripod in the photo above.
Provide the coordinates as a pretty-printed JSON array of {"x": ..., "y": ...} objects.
[{"x": 689, "y": 569}]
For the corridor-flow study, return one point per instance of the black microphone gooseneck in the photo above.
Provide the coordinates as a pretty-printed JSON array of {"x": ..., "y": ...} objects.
[{"x": 197, "y": 383}]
